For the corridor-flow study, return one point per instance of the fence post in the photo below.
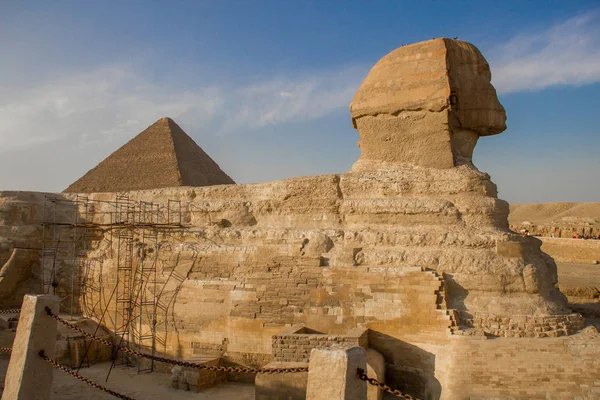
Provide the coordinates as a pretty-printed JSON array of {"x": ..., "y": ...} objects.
[
  {"x": 332, "y": 373},
  {"x": 29, "y": 376}
]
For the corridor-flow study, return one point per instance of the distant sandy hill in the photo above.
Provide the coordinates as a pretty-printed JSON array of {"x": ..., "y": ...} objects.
[{"x": 547, "y": 213}]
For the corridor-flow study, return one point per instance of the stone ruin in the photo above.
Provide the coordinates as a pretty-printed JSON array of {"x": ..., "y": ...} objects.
[{"x": 409, "y": 254}]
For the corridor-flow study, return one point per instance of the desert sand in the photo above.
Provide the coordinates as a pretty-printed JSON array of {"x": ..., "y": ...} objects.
[
  {"x": 145, "y": 386},
  {"x": 545, "y": 213}
]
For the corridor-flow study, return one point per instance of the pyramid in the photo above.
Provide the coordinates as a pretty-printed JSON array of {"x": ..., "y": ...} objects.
[{"x": 161, "y": 156}]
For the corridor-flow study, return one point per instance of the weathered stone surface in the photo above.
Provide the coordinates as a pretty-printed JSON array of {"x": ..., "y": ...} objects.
[
  {"x": 332, "y": 373},
  {"x": 350, "y": 255},
  {"x": 295, "y": 344},
  {"x": 29, "y": 376},
  {"x": 14, "y": 274},
  {"x": 523, "y": 368},
  {"x": 532, "y": 278},
  {"x": 195, "y": 379},
  {"x": 426, "y": 104}
]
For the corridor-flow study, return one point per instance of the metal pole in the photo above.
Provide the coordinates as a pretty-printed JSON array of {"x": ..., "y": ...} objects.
[
  {"x": 117, "y": 210},
  {"x": 154, "y": 290},
  {"x": 141, "y": 295},
  {"x": 56, "y": 245},
  {"x": 168, "y": 211},
  {"x": 74, "y": 255},
  {"x": 44, "y": 245}
]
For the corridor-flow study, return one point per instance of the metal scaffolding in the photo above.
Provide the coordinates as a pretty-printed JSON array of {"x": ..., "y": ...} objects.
[
  {"x": 145, "y": 335},
  {"x": 123, "y": 221},
  {"x": 130, "y": 231},
  {"x": 63, "y": 242}
]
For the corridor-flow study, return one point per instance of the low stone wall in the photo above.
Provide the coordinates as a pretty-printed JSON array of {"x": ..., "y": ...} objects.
[
  {"x": 534, "y": 369},
  {"x": 526, "y": 326},
  {"x": 195, "y": 379},
  {"x": 566, "y": 231},
  {"x": 572, "y": 250},
  {"x": 295, "y": 343},
  {"x": 71, "y": 348},
  {"x": 559, "y": 230}
]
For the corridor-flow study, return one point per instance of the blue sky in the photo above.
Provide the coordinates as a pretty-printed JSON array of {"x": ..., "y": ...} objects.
[{"x": 264, "y": 86}]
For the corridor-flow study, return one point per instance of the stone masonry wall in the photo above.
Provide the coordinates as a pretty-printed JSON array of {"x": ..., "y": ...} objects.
[
  {"x": 563, "y": 230},
  {"x": 295, "y": 344},
  {"x": 572, "y": 250},
  {"x": 241, "y": 314},
  {"x": 534, "y": 369}
]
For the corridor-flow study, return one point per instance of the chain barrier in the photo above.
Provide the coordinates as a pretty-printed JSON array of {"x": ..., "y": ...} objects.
[
  {"x": 11, "y": 311},
  {"x": 127, "y": 350},
  {"x": 362, "y": 375},
  {"x": 5, "y": 349},
  {"x": 83, "y": 379}
]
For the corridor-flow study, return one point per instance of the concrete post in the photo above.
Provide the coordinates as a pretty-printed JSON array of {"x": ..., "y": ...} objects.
[
  {"x": 29, "y": 377},
  {"x": 332, "y": 373}
]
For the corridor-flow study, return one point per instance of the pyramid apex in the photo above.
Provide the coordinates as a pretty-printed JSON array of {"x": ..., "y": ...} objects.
[{"x": 165, "y": 119}]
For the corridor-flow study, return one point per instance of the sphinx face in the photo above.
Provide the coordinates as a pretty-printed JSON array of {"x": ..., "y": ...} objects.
[
  {"x": 474, "y": 104},
  {"x": 426, "y": 105}
]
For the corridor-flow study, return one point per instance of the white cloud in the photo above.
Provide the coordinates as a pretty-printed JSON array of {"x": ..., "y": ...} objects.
[
  {"x": 115, "y": 102},
  {"x": 284, "y": 100},
  {"x": 92, "y": 106},
  {"x": 565, "y": 54}
]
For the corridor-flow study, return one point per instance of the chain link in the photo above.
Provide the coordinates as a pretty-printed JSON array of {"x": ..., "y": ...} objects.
[
  {"x": 5, "y": 349},
  {"x": 83, "y": 379},
  {"x": 363, "y": 377},
  {"x": 11, "y": 311},
  {"x": 127, "y": 350}
]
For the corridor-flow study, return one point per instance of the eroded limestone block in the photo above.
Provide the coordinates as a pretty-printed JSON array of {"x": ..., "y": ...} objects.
[
  {"x": 332, "y": 373},
  {"x": 175, "y": 374},
  {"x": 426, "y": 104},
  {"x": 552, "y": 269},
  {"x": 531, "y": 276},
  {"x": 14, "y": 272},
  {"x": 29, "y": 376},
  {"x": 316, "y": 244}
]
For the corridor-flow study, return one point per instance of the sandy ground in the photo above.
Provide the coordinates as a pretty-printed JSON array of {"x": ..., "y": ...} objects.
[
  {"x": 544, "y": 213},
  {"x": 125, "y": 380},
  {"x": 578, "y": 275},
  {"x": 145, "y": 386}
]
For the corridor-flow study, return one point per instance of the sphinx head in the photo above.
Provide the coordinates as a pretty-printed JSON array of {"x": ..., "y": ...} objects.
[{"x": 426, "y": 104}]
